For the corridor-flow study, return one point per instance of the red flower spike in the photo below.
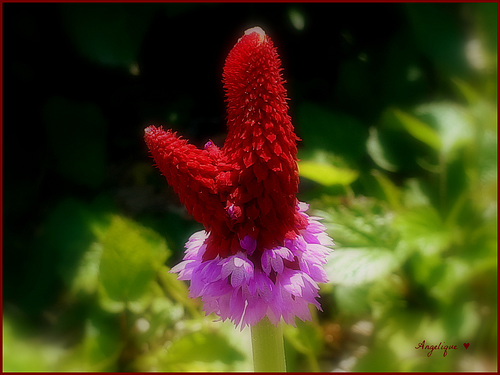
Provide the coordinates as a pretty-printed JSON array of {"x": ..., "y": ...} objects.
[
  {"x": 248, "y": 187},
  {"x": 190, "y": 171}
]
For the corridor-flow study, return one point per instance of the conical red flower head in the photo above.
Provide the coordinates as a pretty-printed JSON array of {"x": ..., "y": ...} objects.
[{"x": 244, "y": 193}]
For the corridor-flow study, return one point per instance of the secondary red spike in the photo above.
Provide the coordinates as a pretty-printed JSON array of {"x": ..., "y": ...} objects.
[{"x": 190, "y": 171}]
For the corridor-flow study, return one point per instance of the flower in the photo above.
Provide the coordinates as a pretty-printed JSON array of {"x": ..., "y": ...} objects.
[{"x": 260, "y": 253}]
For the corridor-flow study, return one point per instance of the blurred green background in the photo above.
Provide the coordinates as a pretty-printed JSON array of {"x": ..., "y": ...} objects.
[{"x": 396, "y": 108}]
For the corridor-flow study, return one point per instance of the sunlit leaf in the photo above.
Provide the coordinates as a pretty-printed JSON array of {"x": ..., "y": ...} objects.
[
  {"x": 24, "y": 352},
  {"x": 200, "y": 350},
  {"x": 416, "y": 128},
  {"x": 327, "y": 174},
  {"x": 163, "y": 314},
  {"x": 486, "y": 26},
  {"x": 131, "y": 256},
  {"x": 356, "y": 266},
  {"x": 379, "y": 153},
  {"x": 450, "y": 121},
  {"x": 391, "y": 191},
  {"x": 178, "y": 290},
  {"x": 87, "y": 272},
  {"x": 465, "y": 90},
  {"x": 379, "y": 358},
  {"x": 486, "y": 143},
  {"x": 463, "y": 321},
  {"x": 423, "y": 229},
  {"x": 414, "y": 193},
  {"x": 360, "y": 222},
  {"x": 352, "y": 300},
  {"x": 399, "y": 140},
  {"x": 101, "y": 344},
  {"x": 387, "y": 296}
]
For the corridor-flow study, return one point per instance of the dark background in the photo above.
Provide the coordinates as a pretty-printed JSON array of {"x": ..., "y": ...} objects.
[{"x": 74, "y": 113}]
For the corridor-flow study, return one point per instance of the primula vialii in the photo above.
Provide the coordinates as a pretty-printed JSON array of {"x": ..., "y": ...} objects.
[{"x": 260, "y": 253}]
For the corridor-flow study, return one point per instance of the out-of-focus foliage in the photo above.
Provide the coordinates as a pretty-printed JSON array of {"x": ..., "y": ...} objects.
[{"x": 396, "y": 108}]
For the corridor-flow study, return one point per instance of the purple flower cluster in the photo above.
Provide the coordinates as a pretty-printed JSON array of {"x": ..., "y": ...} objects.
[{"x": 243, "y": 288}]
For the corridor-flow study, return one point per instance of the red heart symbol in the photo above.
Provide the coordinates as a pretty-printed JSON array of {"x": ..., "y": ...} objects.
[{"x": 466, "y": 345}]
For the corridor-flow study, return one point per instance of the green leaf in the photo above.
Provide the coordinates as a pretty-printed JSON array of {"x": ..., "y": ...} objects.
[
  {"x": 418, "y": 129},
  {"x": 62, "y": 241},
  {"x": 131, "y": 257},
  {"x": 199, "y": 351},
  {"x": 24, "y": 352},
  {"x": 161, "y": 315},
  {"x": 358, "y": 266},
  {"x": 451, "y": 122},
  {"x": 66, "y": 252},
  {"x": 379, "y": 358},
  {"x": 327, "y": 174},
  {"x": 394, "y": 148},
  {"x": 379, "y": 153},
  {"x": 391, "y": 191},
  {"x": 487, "y": 157},
  {"x": 486, "y": 26},
  {"x": 387, "y": 296},
  {"x": 178, "y": 290},
  {"x": 85, "y": 277},
  {"x": 470, "y": 95},
  {"x": 360, "y": 222},
  {"x": 307, "y": 339},
  {"x": 463, "y": 320},
  {"x": 423, "y": 230},
  {"x": 101, "y": 345},
  {"x": 414, "y": 193},
  {"x": 352, "y": 300}
]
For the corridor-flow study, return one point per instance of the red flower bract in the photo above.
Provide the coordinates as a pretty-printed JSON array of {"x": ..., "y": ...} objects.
[{"x": 244, "y": 192}]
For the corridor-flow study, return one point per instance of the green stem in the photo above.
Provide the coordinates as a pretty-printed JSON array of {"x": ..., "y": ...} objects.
[{"x": 267, "y": 346}]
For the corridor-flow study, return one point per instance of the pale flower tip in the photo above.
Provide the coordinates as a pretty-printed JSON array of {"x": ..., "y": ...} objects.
[
  {"x": 259, "y": 31},
  {"x": 255, "y": 29}
]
